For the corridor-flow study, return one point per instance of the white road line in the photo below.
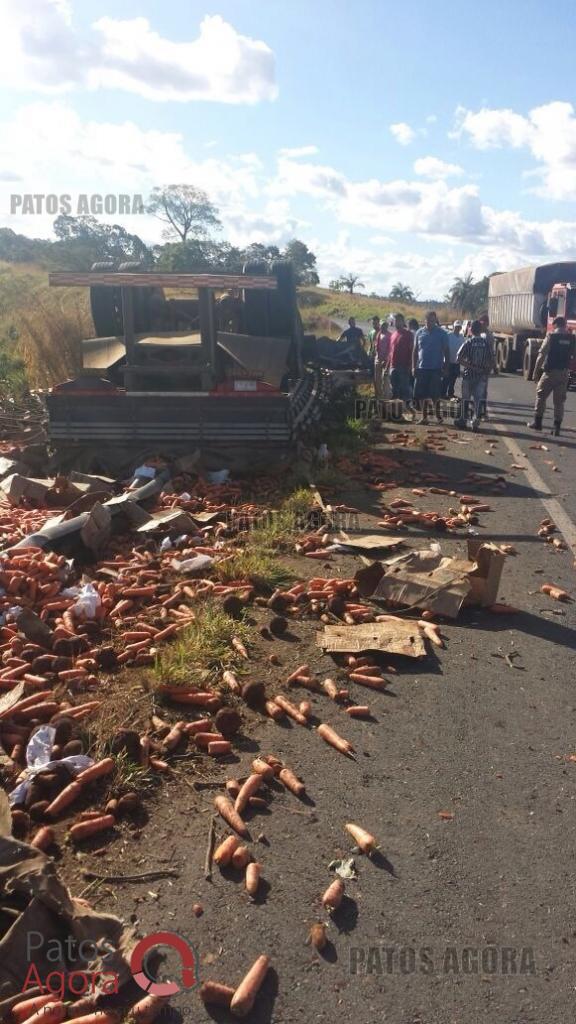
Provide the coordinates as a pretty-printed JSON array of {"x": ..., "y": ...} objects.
[{"x": 553, "y": 507}]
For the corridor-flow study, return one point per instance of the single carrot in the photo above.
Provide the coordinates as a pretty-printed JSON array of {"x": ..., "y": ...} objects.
[
  {"x": 239, "y": 647},
  {"x": 100, "y": 1017},
  {"x": 261, "y": 768},
  {"x": 85, "y": 829},
  {"x": 145, "y": 1011},
  {"x": 96, "y": 771},
  {"x": 363, "y": 839},
  {"x": 44, "y": 838},
  {"x": 252, "y": 877},
  {"x": 70, "y": 793},
  {"x": 173, "y": 738},
  {"x": 248, "y": 789},
  {"x": 373, "y": 682},
  {"x": 214, "y": 992},
  {"x": 49, "y": 1013},
  {"x": 358, "y": 711},
  {"x": 218, "y": 748},
  {"x": 245, "y": 995},
  {"x": 233, "y": 787},
  {"x": 241, "y": 857},
  {"x": 201, "y": 700},
  {"x": 302, "y": 670},
  {"x": 231, "y": 681},
  {"x": 23, "y": 1010},
  {"x": 291, "y": 781},
  {"x": 273, "y": 710},
  {"x": 290, "y": 709},
  {"x": 330, "y": 736},
  {"x": 231, "y": 817},
  {"x": 223, "y": 853},
  {"x": 202, "y": 739},
  {"x": 430, "y": 631},
  {"x": 555, "y": 592},
  {"x": 332, "y": 898},
  {"x": 305, "y": 708}
]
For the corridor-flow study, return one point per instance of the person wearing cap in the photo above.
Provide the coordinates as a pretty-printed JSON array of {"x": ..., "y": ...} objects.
[
  {"x": 454, "y": 342},
  {"x": 553, "y": 370}
]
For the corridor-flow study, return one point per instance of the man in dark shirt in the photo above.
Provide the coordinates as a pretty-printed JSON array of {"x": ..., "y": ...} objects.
[
  {"x": 351, "y": 343},
  {"x": 553, "y": 364}
]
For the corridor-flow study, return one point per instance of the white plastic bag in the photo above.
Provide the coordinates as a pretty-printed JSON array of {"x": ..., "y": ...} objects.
[{"x": 38, "y": 754}]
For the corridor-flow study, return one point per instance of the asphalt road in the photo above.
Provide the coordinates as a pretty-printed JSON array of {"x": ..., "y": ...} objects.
[{"x": 463, "y": 775}]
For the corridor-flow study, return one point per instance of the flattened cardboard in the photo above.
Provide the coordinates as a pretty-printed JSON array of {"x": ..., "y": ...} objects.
[
  {"x": 371, "y": 542},
  {"x": 388, "y": 637},
  {"x": 175, "y": 519}
]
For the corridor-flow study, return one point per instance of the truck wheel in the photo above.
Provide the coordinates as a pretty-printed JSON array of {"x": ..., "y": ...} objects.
[
  {"x": 502, "y": 350},
  {"x": 530, "y": 356}
]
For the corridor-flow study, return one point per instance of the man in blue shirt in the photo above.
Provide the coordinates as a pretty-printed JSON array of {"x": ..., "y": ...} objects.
[{"x": 430, "y": 361}]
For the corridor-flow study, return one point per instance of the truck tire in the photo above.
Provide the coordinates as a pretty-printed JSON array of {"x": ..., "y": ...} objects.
[
  {"x": 282, "y": 302},
  {"x": 142, "y": 297},
  {"x": 502, "y": 354},
  {"x": 105, "y": 305},
  {"x": 530, "y": 355}
]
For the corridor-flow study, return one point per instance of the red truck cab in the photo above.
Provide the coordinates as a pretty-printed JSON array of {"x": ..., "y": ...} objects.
[{"x": 562, "y": 302}]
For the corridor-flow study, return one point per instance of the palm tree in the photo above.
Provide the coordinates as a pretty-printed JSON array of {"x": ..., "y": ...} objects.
[
  {"x": 461, "y": 295},
  {"x": 402, "y": 293},
  {"x": 350, "y": 282}
]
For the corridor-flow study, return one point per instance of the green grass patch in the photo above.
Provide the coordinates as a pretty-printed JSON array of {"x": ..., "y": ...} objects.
[{"x": 204, "y": 648}]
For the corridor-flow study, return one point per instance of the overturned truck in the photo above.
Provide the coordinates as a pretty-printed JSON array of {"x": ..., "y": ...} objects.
[{"x": 226, "y": 371}]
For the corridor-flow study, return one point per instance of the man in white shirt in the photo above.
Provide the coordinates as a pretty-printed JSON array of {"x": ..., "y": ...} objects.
[{"x": 454, "y": 344}]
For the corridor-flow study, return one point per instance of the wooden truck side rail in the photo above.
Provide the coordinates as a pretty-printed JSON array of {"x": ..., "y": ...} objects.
[{"x": 127, "y": 280}]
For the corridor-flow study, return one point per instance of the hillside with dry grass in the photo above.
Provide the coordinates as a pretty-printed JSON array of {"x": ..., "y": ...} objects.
[
  {"x": 41, "y": 326},
  {"x": 320, "y": 308}
]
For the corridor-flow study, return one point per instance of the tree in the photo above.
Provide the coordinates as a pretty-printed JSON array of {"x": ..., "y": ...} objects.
[
  {"x": 402, "y": 293},
  {"x": 467, "y": 295},
  {"x": 82, "y": 241},
  {"x": 336, "y": 285},
  {"x": 186, "y": 210},
  {"x": 257, "y": 252},
  {"x": 196, "y": 256},
  {"x": 350, "y": 282},
  {"x": 303, "y": 261}
]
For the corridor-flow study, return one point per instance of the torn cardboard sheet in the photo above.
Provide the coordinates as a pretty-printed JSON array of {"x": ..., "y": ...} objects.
[
  {"x": 427, "y": 579},
  {"x": 370, "y": 542},
  {"x": 176, "y": 519},
  {"x": 388, "y": 637}
]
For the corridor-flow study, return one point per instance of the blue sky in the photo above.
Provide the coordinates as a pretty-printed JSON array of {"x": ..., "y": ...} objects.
[{"x": 406, "y": 142}]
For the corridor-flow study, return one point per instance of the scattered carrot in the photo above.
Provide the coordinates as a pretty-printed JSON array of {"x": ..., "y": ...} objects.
[
  {"x": 373, "y": 682},
  {"x": 44, "y": 838},
  {"x": 241, "y": 857},
  {"x": 223, "y": 853},
  {"x": 317, "y": 936},
  {"x": 85, "y": 829},
  {"x": 556, "y": 593},
  {"x": 363, "y": 839},
  {"x": 23, "y": 1010},
  {"x": 332, "y": 898},
  {"x": 146, "y": 1011},
  {"x": 219, "y": 748},
  {"x": 70, "y": 793},
  {"x": 302, "y": 670},
  {"x": 96, "y": 771},
  {"x": 245, "y": 995},
  {"x": 290, "y": 780},
  {"x": 261, "y": 768},
  {"x": 49, "y": 1013},
  {"x": 252, "y": 877},
  {"x": 226, "y": 811},
  {"x": 248, "y": 789},
  {"x": 290, "y": 709},
  {"x": 213, "y": 992},
  {"x": 239, "y": 647},
  {"x": 330, "y": 736},
  {"x": 358, "y": 711}
]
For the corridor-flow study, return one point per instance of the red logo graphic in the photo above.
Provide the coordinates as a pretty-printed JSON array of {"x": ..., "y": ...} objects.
[{"x": 138, "y": 963}]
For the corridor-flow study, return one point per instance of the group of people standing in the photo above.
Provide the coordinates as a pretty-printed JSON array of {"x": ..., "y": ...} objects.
[{"x": 417, "y": 366}]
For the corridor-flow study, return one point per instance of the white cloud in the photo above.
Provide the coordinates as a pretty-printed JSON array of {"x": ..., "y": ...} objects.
[
  {"x": 403, "y": 133},
  {"x": 432, "y": 167},
  {"x": 40, "y": 49},
  {"x": 548, "y": 132},
  {"x": 298, "y": 151}
]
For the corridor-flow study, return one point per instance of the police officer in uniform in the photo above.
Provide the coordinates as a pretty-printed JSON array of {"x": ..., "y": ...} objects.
[{"x": 553, "y": 364}]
